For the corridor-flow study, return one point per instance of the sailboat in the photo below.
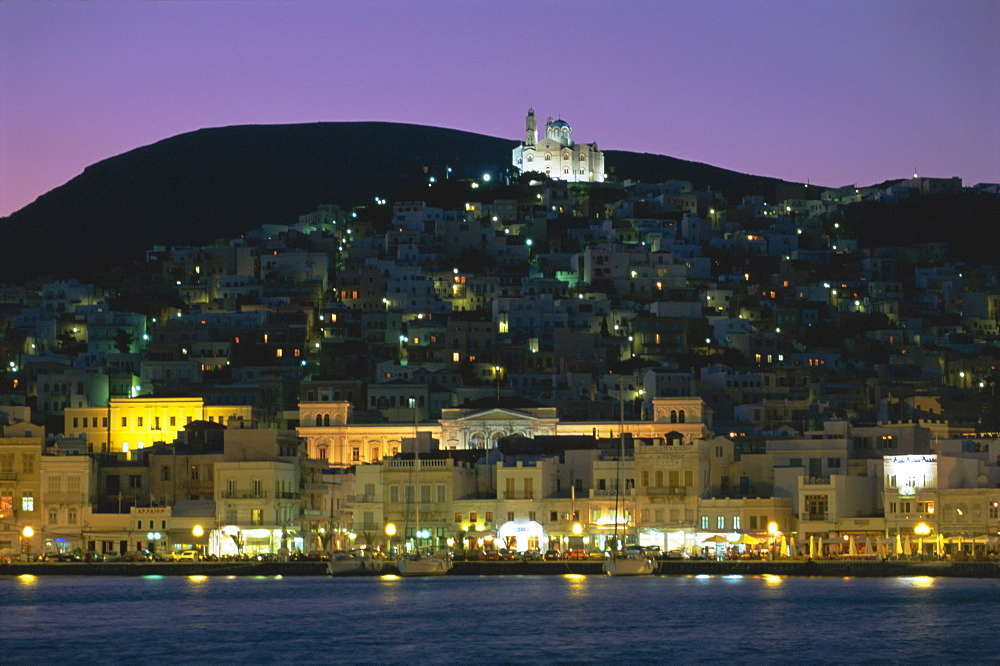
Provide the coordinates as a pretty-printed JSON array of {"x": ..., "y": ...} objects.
[
  {"x": 420, "y": 563},
  {"x": 622, "y": 562}
]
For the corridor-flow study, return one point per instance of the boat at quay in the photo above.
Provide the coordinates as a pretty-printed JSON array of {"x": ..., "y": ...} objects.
[{"x": 837, "y": 568}]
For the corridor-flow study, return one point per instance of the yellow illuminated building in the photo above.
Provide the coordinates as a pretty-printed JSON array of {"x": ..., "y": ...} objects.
[{"x": 130, "y": 424}]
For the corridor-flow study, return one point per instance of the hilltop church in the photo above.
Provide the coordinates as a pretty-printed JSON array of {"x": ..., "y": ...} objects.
[{"x": 556, "y": 155}]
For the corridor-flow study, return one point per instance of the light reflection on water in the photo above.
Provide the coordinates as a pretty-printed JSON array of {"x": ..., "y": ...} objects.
[{"x": 496, "y": 618}]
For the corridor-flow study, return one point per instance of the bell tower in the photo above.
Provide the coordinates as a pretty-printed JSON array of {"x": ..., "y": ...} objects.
[{"x": 530, "y": 129}]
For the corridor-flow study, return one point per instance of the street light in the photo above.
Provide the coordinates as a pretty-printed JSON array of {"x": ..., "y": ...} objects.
[
  {"x": 26, "y": 535},
  {"x": 390, "y": 530}
]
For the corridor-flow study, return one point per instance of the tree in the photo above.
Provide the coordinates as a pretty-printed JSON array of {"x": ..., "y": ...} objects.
[{"x": 123, "y": 341}]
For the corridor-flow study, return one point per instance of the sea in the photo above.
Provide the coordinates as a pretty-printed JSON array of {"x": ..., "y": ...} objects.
[{"x": 497, "y": 619}]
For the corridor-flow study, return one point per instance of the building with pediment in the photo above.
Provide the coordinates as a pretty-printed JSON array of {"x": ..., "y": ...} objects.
[{"x": 480, "y": 424}]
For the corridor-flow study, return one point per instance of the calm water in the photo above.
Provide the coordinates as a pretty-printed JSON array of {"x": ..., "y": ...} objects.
[{"x": 513, "y": 619}]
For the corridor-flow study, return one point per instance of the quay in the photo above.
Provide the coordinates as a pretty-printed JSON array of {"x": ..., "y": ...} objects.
[{"x": 835, "y": 568}]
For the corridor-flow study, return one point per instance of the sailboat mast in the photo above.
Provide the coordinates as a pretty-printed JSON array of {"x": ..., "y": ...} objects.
[{"x": 416, "y": 476}]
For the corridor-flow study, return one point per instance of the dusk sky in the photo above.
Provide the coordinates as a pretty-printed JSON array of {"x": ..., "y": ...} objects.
[{"x": 833, "y": 92}]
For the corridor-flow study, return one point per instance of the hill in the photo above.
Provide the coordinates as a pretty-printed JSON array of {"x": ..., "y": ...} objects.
[{"x": 218, "y": 183}]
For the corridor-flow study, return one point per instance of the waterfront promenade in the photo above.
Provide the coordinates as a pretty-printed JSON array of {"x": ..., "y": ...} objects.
[{"x": 837, "y": 568}]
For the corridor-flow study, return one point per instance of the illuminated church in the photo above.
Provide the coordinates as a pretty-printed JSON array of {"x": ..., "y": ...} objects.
[{"x": 556, "y": 155}]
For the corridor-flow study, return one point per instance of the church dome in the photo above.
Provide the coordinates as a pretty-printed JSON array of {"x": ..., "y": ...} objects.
[{"x": 559, "y": 123}]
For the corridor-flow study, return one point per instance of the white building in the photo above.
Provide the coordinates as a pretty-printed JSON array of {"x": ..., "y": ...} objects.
[{"x": 556, "y": 155}]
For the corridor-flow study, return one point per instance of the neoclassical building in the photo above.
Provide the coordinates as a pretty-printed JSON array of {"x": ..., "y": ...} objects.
[
  {"x": 330, "y": 436},
  {"x": 556, "y": 155}
]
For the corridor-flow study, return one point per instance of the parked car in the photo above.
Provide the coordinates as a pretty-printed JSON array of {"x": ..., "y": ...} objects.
[
  {"x": 137, "y": 556},
  {"x": 92, "y": 556},
  {"x": 597, "y": 555},
  {"x": 489, "y": 555},
  {"x": 553, "y": 554},
  {"x": 68, "y": 556},
  {"x": 676, "y": 554},
  {"x": 185, "y": 555},
  {"x": 507, "y": 554},
  {"x": 575, "y": 554},
  {"x": 531, "y": 554}
]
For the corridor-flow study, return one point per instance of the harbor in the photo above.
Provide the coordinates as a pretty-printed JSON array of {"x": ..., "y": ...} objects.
[{"x": 831, "y": 568}]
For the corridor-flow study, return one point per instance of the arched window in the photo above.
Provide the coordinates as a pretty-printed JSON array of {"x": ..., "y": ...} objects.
[
  {"x": 321, "y": 453},
  {"x": 326, "y": 419},
  {"x": 673, "y": 416},
  {"x": 680, "y": 416},
  {"x": 529, "y": 158},
  {"x": 548, "y": 157}
]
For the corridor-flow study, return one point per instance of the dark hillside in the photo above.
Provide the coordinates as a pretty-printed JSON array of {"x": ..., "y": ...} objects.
[{"x": 216, "y": 183}]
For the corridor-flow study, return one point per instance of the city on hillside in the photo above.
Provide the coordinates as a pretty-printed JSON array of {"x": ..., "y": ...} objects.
[{"x": 540, "y": 359}]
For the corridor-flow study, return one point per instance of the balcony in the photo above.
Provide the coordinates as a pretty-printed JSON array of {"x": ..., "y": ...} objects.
[
  {"x": 518, "y": 496},
  {"x": 8, "y": 476},
  {"x": 362, "y": 498},
  {"x": 65, "y": 498},
  {"x": 287, "y": 495},
  {"x": 816, "y": 481},
  {"x": 238, "y": 494},
  {"x": 611, "y": 492},
  {"x": 666, "y": 491}
]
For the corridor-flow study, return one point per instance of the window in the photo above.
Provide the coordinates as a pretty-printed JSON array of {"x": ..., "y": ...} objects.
[
  {"x": 173, "y": 421},
  {"x": 28, "y": 463},
  {"x": 394, "y": 494},
  {"x": 156, "y": 423},
  {"x": 257, "y": 487},
  {"x": 135, "y": 481},
  {"x": 489, "y": 516},
  {"x": 425, "y": 494},
  {"x": 510, "y": 515},
  {"x": 737, "y": 522},
  {"x": 458, "y": 517},
  {"x": 442, "y": 493},
  {"x": 753, "y": 522},
  {"x": 55, "y": 484},
  {"x": 28, "y": 500},
  {"x": 355, "y": 454},
  {"x": 473, "y": 516},
  {"x": 553, "y": 516},
  {"x": 53, "y": 518},
  {"x": 71, "y": 517},
  {"x": 531, "y": 515},
  {"x": 124, "y": 421},
  {"x": 704, "y": 522},
  {"x": 194, "y": 472},
  {"x": 73, "y": 484},
  {"x": 139, "y": 421},
  {"x": 688, "y": 478},
  {"x": 231, "y": 517},
  {"x": 256, "y": 516},
  {"x": 164, "y": 473},
  {"x": 720, "y": 522},
  {"x": 833, "y": 463}
]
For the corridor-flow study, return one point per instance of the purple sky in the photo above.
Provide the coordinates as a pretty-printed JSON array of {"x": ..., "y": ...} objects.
[{"x": 834, "y": 92}]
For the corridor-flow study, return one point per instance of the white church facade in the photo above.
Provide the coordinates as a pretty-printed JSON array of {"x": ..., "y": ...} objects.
[{"x": 556, "y": 155}]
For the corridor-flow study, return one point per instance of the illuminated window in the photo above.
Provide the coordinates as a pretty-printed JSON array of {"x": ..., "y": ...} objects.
[
  {"x": 278, "y": 352},
  {"x": 456, "y": 357},
  {"x": 720, "y": 522},
  {"x": 704, "y": 522},
  {"x": 28, "y": 500},
  {"x": 458, "y": 517}
]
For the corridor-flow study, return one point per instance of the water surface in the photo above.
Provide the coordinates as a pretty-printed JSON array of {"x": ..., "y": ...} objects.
[{"x": 513, "y": 619}]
